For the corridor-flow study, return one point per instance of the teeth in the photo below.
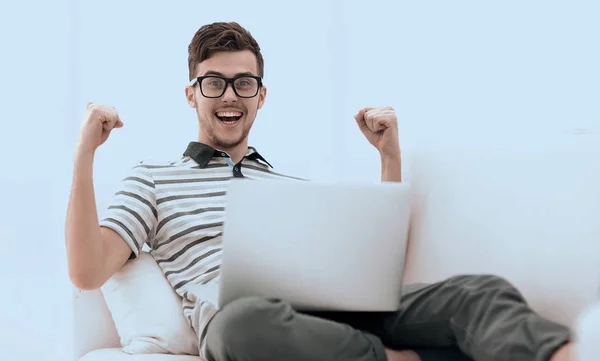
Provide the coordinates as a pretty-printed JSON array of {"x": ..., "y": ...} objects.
[{"x": 229, "y": 114}]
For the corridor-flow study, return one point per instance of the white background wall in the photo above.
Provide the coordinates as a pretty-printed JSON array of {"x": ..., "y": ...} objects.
[{"x": 512, "y": 73}]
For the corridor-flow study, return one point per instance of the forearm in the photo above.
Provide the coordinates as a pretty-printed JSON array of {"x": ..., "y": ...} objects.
[
  {"x": 82, "y": 230},
  {"x": 391, "y": 168}
]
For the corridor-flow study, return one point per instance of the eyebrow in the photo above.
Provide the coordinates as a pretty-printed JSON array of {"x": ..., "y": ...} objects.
[{"x": 212, "y": 72}]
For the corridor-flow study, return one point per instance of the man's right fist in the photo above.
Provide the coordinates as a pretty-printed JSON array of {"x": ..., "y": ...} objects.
[{"x": 98, "y": 122}]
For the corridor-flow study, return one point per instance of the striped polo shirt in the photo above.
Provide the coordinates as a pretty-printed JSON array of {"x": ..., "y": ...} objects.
[{"x": 177, "y": 209}]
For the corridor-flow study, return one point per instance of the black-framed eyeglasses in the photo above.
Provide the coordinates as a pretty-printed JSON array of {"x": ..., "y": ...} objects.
[{"x": 214, "y": 86}]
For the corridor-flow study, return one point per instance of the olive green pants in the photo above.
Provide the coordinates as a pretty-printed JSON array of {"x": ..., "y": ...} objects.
[{"x": 480, "y": 318}]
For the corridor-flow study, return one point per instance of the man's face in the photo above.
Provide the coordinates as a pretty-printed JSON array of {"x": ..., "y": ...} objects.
[{"x": 225, "y": 121}]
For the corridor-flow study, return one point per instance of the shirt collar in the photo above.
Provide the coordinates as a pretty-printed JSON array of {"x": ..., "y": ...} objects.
[{"x": 202, "y": 154}]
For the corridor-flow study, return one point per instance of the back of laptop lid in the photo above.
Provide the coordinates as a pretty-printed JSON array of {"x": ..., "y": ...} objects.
[{"x": 319, "y": 246}]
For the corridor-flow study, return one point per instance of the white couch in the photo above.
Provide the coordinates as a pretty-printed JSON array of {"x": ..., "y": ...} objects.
[{"x": 529, "y": 215}]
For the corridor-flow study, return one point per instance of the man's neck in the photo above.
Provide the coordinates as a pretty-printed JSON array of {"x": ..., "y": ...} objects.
[{"x": 236, "y": 153}]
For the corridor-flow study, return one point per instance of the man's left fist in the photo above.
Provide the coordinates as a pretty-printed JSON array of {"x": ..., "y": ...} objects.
[{"x": 380, "y": 127}]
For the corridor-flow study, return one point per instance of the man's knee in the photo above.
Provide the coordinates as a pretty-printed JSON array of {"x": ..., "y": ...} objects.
[
  {"x": 489, "y": 286},
  {"x": 245, "y": 324}
]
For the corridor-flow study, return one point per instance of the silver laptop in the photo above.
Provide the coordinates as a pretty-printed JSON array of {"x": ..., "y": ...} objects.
[{"x": 319, "y": 246}]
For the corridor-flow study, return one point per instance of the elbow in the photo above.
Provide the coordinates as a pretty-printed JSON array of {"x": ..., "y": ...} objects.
[
  {"x": 84, "y": 273},
  {"x": 84, "y": 282}
]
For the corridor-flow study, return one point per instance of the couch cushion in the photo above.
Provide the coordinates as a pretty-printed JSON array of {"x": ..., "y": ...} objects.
[
  {"x": 529, "y": 215},
  {"x": 117, "y": 354}
]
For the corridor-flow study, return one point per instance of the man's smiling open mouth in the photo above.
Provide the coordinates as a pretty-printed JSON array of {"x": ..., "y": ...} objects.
[{"x": 229, "y": 117}]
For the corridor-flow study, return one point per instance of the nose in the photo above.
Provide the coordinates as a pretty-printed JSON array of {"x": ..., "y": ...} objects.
[{"x": 229, "y": 95}]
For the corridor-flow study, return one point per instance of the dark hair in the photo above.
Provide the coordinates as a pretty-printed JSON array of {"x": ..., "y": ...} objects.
[{"x": 221, "y": 36}]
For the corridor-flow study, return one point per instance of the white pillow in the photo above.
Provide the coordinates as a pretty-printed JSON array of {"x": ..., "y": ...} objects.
[{"x": 147, "y": 312}]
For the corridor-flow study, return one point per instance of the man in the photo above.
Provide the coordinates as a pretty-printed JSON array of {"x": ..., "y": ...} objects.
[{"x": 177, "y": 209}]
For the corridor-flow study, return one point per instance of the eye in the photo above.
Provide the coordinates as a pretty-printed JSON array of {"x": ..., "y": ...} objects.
[
  {"x": 245, "y": 83},
  {"x": 215, "y": 82}
]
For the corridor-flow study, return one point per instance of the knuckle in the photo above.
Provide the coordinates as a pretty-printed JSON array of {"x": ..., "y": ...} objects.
[{"x": 95, "y": 112}]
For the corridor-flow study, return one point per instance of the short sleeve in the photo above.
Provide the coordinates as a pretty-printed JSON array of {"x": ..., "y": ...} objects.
[{"x": 132, "y": 213}]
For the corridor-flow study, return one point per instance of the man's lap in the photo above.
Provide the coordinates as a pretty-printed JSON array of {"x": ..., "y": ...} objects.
[{"x": 375, "y": 325}]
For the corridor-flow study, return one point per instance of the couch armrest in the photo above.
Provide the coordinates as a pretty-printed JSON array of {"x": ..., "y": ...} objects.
[
  {"x": 93, "y": 325},
  {"x": 588, "y": 334}
]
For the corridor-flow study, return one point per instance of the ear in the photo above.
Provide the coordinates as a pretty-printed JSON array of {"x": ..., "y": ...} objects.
[
  {"x": 261, "y": 96},
  {"x": 190, "y": 96}
]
